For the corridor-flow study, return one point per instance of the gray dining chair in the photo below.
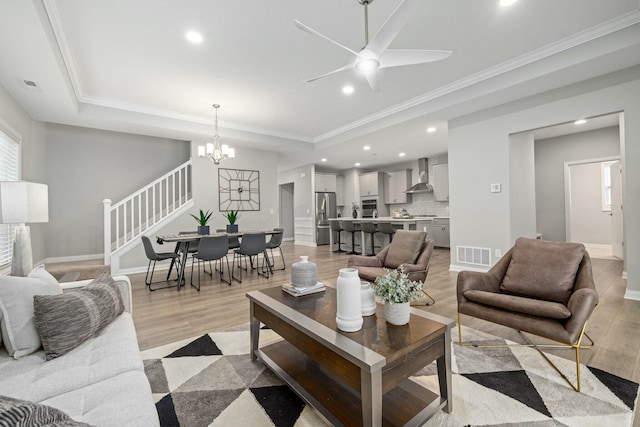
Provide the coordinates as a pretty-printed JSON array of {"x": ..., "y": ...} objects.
[
  {"x": 275, "y": 243},
  {"x": 154, "y": 257},
  {"x": 212, "y": 248},
  {"x": 251, "y": 245},
  {"x": 234, "y": 241}
]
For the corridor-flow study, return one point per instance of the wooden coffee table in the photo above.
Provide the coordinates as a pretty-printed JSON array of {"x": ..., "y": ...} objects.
[{"x": 356, "y": 378}]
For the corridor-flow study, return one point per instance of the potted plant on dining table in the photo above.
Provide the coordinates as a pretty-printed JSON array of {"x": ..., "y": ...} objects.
[
  {"x": 231, "y": 216},
  {"x": 397, "y": 292},
  {"x": 202, "y": 220}
]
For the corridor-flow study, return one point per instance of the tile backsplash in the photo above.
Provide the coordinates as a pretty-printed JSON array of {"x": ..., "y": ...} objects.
[{"x": 423, "y": 203}]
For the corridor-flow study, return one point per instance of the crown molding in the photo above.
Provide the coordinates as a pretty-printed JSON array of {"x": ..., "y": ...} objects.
[
  {"x": 590, "y": 34},
  {"x": 191, "y": 118},
  {"x": 53, "y": 16}
]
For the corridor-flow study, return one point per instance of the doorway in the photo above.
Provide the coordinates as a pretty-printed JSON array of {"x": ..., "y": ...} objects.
[
  {"x": 286, "y": 211},
  {"x": 588, "y": 205},
  {"x": 563, "y": 156}
]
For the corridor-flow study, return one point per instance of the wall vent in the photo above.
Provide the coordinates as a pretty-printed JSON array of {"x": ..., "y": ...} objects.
[{"x": 477, "y": 256}]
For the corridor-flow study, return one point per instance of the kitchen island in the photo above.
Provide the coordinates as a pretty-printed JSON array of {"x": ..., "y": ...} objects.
[{"x": 410, "y": 223}]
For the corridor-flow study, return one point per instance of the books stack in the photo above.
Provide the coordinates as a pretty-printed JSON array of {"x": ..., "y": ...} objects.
[{"x": 298, "y": 291}]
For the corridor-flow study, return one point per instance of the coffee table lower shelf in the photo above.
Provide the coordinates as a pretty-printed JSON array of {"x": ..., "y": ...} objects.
[{"x": 407, "y": 404}]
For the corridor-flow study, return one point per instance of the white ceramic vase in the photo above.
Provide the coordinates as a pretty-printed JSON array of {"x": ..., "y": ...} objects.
[
  {"x": 348, "y": 300},
  {"x": 397, "y": 313},
  {"x": 367, "y": 299}
]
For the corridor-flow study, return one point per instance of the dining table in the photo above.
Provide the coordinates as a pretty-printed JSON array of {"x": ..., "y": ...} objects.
[{"x": 184, "y": 240}]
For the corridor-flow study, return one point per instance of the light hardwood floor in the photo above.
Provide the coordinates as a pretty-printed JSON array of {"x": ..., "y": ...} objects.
[{"x": 166, "y": 315}]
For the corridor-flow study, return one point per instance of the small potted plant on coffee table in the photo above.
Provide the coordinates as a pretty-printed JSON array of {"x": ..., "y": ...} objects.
[
  {"x": 203, "y": 219},
  {"x": 397, "y": 292},
  {"x": 231, "y": 216}
]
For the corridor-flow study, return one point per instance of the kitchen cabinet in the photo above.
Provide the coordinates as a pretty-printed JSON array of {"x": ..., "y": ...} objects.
[
  {"x": 396, "y": 184},
  {"x": 325, "y": 182},
  {"x": 438, "y": 231},
  {"x": 371, "y": 184},
  {"x": 441, "y": 182},
  {"x": 340, "y": 190}
]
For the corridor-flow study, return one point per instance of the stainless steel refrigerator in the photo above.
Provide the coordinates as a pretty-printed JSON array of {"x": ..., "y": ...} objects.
[{"x": 325, "y": 209}]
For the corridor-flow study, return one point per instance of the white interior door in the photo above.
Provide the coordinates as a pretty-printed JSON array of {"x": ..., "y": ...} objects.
[{"x": 617, "y": 210}]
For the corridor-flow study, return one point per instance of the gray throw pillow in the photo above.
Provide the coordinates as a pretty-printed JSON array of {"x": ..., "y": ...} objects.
[
  {"x": 19, "y": 334},
  {"x": 22, "y": 413},
  {"x": 66, "y": 321},
  {"x": 543, "y": 270},
  {"x": 404, "y": 248}
]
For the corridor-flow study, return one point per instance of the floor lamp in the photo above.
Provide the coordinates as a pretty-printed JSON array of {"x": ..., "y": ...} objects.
[{"x": 23, "y": 202}]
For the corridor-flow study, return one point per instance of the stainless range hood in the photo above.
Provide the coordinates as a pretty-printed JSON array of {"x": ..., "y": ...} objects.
[{"x": 423, "y": 185}]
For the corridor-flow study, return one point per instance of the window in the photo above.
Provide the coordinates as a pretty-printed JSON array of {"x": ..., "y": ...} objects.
[
  {"x": 9, "y": 171},
  {"x": 605, "y": 179}
]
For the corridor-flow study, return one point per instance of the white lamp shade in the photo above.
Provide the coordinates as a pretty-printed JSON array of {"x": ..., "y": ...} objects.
[
  {"x": 201, "y": 151},
  {"x": 23, "y": 202}
]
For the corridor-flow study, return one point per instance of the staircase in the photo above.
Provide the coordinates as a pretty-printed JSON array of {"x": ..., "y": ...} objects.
[{"x": 145, "y": 211}]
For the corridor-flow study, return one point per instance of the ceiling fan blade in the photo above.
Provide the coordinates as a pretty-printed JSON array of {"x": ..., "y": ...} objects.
[
  {"x": 399, "y": 57},
  {"x": 322, "y": 36},
  {"x": 346, "y": 67},
  {"x": 392, "y": 26},
  {"x": 374, "y": 81}
]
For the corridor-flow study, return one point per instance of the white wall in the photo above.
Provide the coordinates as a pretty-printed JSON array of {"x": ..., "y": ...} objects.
[
  {"x": 303, "y": 202},
  {"x": 479, "y": 155},
  {"x": 522, "y": 187},
  {"x": 86, "y": 166},
  {"x": 16, "y": 123},
  {"x": 589, "y": 223}
]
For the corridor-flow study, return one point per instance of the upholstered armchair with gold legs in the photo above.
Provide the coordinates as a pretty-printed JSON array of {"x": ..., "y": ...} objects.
[{"x": 539, "y": 287}]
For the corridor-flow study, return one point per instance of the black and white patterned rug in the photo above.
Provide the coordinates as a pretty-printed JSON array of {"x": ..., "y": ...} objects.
[{"x": 211, "y": 381}]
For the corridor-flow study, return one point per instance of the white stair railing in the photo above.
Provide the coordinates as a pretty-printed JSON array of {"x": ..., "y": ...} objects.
[{"x": 131, "y": 217}]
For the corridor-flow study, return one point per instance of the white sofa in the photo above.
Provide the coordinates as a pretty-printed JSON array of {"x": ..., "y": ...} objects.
[{"x": 101, "y": 382}]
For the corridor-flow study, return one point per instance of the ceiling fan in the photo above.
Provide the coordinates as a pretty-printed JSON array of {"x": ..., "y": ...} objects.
[{"x": 375, "y": 55}]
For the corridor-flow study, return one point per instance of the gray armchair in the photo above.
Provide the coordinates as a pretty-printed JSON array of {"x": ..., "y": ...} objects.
[
  {"x": 543, "y": 288},
  {"x": 408, "y": 248}
]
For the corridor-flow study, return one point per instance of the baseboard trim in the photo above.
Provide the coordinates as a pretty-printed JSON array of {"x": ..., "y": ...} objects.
[
  {"x": 72, "y": 258},
  {"x": 455, "y": 267},
  {"x": 632, "y": 295}
]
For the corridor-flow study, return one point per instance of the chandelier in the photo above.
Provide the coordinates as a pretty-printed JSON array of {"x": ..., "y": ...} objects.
[{"x": 216, "y": 151}]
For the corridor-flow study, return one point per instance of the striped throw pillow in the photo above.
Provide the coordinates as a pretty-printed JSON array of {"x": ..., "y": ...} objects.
[
  {"x": 15, "y": 413},
  {"x": 67, "y": 320}
]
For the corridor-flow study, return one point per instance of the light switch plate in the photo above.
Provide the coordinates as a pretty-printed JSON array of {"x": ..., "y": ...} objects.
[{"x": 496, "y": 188}]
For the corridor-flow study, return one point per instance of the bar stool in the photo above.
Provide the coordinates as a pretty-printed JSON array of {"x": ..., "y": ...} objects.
[
  {"x": 369, "y": 228},
  {"x": 336, "y": 227},
  {"x": 350, "y": 227},
  {"x": 386, "y": 228}
]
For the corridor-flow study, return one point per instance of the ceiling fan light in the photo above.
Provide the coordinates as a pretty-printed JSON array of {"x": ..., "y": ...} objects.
[{"x": 366, "y": 65}]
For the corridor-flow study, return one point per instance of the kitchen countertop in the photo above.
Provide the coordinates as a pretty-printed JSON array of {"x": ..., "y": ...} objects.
[{"x": 388, "y": 218}]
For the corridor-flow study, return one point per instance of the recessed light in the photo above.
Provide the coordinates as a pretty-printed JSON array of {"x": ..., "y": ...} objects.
[
  {"x": 431, "y": 129},
  {"x": 580, "y": 122},
  {"x": 366, "y": 147},
  {"x": 194, "y": 37},
  {"x": 324, "y": 159},
  {"x": 347, "y": 90},
  {"x": 402, "y": 154},
  {"x": 507, "y": 2},
  {"x": 357, "y": 164}
]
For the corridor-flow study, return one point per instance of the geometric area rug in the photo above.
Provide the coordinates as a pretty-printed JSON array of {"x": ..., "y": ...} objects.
[{"x": 211, "y": 381}]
